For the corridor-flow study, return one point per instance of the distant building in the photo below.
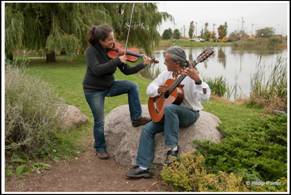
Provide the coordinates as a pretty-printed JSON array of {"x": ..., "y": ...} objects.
[{"x": 196, "y": 39}]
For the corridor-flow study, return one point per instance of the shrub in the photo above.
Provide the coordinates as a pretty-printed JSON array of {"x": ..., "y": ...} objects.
[
  {"x": 188, "y": 174},
  {"x": 256, "y": 151},
  {"x": 31, "y": 114}
]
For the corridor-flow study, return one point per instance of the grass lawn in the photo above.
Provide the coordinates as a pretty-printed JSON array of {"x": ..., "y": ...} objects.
[
  {"x": 242, "y": 125},
  {"x": 188, "y": 43},
  {"x": 66, "y": 77}
]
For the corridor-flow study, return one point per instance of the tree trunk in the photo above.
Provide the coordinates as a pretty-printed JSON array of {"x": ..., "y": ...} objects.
[
  {"x": 9, "y": 56},
  {"x": 63, "y": 52},
  {"x": 51, "y": 57}
]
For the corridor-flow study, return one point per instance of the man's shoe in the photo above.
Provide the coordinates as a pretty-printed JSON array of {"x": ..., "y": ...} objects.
[
  {"x": 136, "y": 172},
  {"x": 171, "y": 156},
  {"x": 102, "y": 155},
  {"x": 140, "y": 121}
]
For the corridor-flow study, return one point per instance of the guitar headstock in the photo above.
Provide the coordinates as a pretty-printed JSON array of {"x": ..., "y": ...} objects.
[{"x": 204, "y": 55}]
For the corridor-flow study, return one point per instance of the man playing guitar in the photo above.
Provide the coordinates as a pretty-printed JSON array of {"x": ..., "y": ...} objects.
[{"x": 174, "y": 116}]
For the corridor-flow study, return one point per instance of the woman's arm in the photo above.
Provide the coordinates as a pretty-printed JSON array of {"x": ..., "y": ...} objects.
[
  {"x": 130, "y": 70},
  {"x": 100, "y": 69}
]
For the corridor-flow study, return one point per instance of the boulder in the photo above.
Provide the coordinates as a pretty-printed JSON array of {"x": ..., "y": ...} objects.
[
  {"x": 122, "y": 138},
  {"x": 72, "y": 117}
]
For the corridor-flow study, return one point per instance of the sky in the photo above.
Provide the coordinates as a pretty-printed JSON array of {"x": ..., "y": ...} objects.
[{"x": 238, "y": 15}]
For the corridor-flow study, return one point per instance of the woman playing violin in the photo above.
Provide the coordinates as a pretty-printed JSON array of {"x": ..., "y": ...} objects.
[{"x": 99, "y": 83}]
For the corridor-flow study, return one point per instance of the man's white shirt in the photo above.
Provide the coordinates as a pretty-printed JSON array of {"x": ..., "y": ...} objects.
[{"x": 193, "y": 94}]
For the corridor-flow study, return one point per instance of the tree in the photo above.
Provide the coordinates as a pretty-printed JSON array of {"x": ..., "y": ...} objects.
[
  {"x": 176, "y": 34},
  {"x": 212, "y": 36},
  {"x": 206, "y": 33},
  {"x": 243, "y": 35},
  {"x": 222, "y": 31},
  {"x": 265, "y": 32},
  {"x": 52, "y": 26},
  {"x": 202, "y": 33},
  {"x": 14, "y": 26},
  {"x": 143, "y": 31},
  {"x": 191, "y": 30},
  {"x": 55, "y": 27},
  {"x": 167, "y": 34},
  {"x": 234, "y": 36}
]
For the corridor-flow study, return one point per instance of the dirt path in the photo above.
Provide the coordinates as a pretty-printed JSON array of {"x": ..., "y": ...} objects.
[{"x": 85, "y": 173}]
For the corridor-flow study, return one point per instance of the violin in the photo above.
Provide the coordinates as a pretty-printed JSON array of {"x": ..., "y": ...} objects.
[{"x": 132, "y": 54}]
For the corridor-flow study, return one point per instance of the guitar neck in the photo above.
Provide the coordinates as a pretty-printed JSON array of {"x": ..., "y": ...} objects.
[{"x": 180, "y": 79}]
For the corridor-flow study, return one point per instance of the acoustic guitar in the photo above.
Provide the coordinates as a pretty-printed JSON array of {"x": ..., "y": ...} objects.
[{"x": 174, "y": 93}]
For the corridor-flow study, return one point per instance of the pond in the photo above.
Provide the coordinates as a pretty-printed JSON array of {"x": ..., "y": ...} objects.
[{"x": 236, "y": 66}]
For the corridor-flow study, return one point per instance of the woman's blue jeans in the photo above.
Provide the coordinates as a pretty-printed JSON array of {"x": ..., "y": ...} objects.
[
  {"x": 175, "y": 117},
  {"x": 96, "y": 103}
]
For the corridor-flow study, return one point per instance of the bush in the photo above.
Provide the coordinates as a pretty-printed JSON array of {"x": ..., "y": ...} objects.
[
  {"x": 188, "y": 174},
  {"x": 274, "y": 42},
  {"x": 31, "y": 114},
  {"x": 255, "y": 151}
]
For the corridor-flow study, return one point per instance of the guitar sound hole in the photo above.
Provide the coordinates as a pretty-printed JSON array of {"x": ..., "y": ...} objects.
[{"x": 166, "y": 94}]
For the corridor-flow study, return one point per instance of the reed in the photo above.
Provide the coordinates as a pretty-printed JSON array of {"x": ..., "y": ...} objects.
[{"x": 270, "y": 93}]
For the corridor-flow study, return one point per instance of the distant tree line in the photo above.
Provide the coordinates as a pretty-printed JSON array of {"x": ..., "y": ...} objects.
[{"x": 208, "y": 35}]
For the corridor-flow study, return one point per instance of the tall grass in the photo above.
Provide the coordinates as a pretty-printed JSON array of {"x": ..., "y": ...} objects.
[
  {"x": 262, "y": 44},
  {"x": 270, "y": 93},
  {"x": 218, "y": 86},
  {"x": 32, "y": 111}
]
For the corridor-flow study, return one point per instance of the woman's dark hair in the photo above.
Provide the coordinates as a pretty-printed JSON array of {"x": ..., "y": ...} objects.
[{"x": 98, "y": 33}]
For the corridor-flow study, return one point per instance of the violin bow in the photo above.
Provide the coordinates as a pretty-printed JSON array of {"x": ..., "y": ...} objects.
[{"x": 129, "y": 27}]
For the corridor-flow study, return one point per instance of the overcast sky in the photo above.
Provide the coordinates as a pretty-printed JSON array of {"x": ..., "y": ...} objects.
[{"x": 247, "y": 15}]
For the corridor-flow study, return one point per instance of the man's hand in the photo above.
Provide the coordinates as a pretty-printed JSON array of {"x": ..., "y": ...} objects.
[
  {"x": 192, "y": 73},
  {"x": 162, "y": 89}
]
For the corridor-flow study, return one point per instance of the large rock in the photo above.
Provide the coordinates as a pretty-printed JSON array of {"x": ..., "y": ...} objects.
[
  {"x": 72, "y": 117},
  {"x": 122, "y": 138}
]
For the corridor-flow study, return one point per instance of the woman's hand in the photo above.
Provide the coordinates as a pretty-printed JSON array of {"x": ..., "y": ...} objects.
[
  {"x": 147, "y": 60},
  {"x": 123, "y": 59}
]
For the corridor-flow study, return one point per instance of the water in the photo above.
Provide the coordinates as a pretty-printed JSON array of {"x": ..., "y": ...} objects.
[{"x": 237, "y": 67}]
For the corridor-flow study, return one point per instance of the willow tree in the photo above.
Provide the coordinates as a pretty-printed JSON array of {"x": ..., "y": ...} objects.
[
  {"x": 51, "y": 26},
  {"x": 54, "y": 27},
  {"x": 13, "y": 31},
  {"x": 145, "y": 21}
]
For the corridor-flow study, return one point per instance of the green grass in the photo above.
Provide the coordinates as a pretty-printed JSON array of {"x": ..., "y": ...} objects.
[
  {"x": 67, "y": 77},
  {"x": 232, "y": 115},
  {"x": 238, "y": 121},
  {"x": 188, "y": 43}
]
